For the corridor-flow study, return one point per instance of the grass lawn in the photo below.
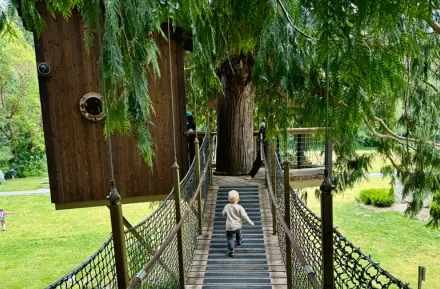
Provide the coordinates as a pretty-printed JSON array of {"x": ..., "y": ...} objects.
[
  {"x": 400, "y": 244},
  {"x": 24, "y": 184},
  {"x": 42, "y": 244}
]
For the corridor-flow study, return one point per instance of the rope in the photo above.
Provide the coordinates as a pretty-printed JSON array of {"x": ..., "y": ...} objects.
[
  {"x": 172, "y": 90},
  {"x": 142, "y": 274},
  {"x": 113, "y": 192}
]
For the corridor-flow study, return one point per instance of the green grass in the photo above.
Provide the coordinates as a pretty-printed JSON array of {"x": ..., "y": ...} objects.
[
  {"x": 42, "y": 244},
  {"x": 400, "y": 244},
  {"x": 24, "y": 184}
]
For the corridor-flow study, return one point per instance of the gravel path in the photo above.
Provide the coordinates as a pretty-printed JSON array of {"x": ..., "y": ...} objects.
[{"x": 41, "y": 191}]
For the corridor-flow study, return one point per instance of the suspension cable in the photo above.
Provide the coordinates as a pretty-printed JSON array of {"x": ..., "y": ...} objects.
[
  {"x": 286, "y": 141},
  {"x": 172, "y": 90},
  {"x": 113, "y": 192}
]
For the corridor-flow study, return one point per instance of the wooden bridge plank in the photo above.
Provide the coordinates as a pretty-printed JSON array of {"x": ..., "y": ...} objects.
[{"x": 210, "y": 244}]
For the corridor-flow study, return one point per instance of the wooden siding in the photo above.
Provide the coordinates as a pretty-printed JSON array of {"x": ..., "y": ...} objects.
[{"x": 77, "y": 151}]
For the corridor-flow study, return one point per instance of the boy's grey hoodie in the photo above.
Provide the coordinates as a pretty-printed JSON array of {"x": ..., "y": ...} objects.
[{"x": 234, "y": 214}]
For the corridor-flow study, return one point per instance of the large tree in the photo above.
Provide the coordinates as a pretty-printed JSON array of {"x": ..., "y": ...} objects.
[{"x": 383, "y": 74}]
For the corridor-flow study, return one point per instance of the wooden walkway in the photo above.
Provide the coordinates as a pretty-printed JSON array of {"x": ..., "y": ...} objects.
[{"x": 257, "y": 263}]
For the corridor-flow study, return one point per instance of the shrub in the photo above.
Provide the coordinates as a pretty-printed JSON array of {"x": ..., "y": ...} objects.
[{"x": 377, "y": 197}]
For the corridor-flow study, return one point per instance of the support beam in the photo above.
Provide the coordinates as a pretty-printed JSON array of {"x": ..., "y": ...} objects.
[
  {"x": 176, "y": 180},
  {"x": 274, "y": 187},
  {"x": 327, "y": 221},
  {"x": 118, "y": 237}
]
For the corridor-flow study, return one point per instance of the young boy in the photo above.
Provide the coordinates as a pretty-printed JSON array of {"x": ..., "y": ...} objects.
[
  {"x": 3, "y": 215},
  {"x": 234, "y": 214}
]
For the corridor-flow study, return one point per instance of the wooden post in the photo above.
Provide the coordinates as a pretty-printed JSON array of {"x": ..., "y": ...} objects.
[
  {"x": 422, "y": 276},
  {"x": 274, "y": 188},
  {"x": 327, "y": 221},
  {"x": 176, "y": 180},
  {"x": 199, "y": 198},
  {"x": 287, "y": 220},
  {"x": 119, "y": 245}
]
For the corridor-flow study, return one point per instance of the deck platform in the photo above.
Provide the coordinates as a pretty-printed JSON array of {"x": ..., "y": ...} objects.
[{"x": 257, "y": 262}]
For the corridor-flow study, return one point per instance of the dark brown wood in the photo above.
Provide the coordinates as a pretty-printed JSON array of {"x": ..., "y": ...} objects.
[
  {"x": 327, "y": 221},
  {"x": 287, "y": 220},
  {"x": 180, "y": 242},
  {"x": 76, "y": 148}
]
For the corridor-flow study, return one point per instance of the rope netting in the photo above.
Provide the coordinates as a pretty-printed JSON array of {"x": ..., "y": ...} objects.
[
  {"x": 144, "y": 240},
  {"x": 353, "y": 269}
]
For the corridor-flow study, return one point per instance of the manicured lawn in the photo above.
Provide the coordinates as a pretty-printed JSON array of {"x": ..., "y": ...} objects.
[
  {"x": 400, "y": 244},
  {"x": 24, "y": 184},
  {"x": 42, "y": 244}
]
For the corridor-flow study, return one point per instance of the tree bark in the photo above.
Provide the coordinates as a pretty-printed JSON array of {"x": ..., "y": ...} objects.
[{"x": 235, "y": 110}]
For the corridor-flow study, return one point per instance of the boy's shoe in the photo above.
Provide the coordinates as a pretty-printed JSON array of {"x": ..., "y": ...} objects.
[
  {"x": 231, "y": 253},
  {"x": 249, "y": 178},
  {"x": 239, "y": 243}
]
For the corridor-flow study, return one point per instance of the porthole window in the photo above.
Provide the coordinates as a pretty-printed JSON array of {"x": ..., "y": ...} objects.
[{"x": 92, "y": 107}]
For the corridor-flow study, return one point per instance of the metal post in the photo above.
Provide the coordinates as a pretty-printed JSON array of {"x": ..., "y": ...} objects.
[
  {"x": 422, "y": 276},
  {"x": 287, "y": 220},
  {"x": 117, "y": 223},
  {"x": 176, "y": 180},
  {"x": 199, "y": 198},
  {"x": 300, "y": 157},
  {"x": 255, "y": 146},
  {"x": 208, "y": 129},
  {"x": 274, "y": 188},
  {"x": 327, "y": 221}
]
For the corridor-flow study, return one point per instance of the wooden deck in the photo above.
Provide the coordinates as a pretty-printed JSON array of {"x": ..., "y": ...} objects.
[{"x": 275, "y": 270}]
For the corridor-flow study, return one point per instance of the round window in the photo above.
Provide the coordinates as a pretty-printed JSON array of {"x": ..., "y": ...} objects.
[{"x": 91, "y": 106}]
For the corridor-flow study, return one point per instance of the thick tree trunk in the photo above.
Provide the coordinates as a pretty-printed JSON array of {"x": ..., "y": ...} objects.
[{"x": 235, "y": 109}]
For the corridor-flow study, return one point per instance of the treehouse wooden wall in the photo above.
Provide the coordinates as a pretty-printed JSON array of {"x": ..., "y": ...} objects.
[{"x": 76, "y": 148}]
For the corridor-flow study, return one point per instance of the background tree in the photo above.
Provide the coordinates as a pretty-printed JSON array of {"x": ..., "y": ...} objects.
[{"x": 20, "y": 114}]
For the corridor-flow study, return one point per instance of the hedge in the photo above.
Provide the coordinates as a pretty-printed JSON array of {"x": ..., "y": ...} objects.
[{"x": 377, "y": 197}]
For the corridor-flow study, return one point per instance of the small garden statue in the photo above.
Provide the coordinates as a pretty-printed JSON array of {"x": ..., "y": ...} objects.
[{"x": 13, "y": 173}]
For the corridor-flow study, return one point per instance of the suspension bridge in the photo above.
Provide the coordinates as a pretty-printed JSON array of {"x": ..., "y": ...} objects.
[{"x": 182, "y": 244}]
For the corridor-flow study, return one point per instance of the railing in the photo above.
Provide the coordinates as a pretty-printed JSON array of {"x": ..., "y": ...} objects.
[
  {"x": 147, "y": 238},
  {"x": 305, "y": 148},
  {"x": 353, "y": 269}
]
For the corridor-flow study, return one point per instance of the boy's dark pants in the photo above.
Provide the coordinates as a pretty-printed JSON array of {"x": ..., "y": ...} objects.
[{"x": 230, "y": 237}]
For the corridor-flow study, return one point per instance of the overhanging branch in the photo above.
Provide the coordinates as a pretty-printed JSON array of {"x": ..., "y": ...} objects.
[{"x": 391, "y": 135}]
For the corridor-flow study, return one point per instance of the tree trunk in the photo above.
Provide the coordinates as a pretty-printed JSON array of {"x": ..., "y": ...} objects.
[{"x": 235, "y": 109}]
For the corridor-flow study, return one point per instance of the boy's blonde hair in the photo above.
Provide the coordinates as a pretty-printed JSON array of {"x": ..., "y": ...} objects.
[{"x": 233, "y": 196}]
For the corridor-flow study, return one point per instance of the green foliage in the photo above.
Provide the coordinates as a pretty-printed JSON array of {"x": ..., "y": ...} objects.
[
  {"x": 434, "y": 211},
  {"x": 377, "y": 197},
  {"x": 21, "y": 141},
  {"x": 382, "y": 61}
]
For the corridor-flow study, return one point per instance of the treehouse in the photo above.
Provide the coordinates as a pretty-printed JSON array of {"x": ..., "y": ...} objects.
[{"x": 73, "y": 119}]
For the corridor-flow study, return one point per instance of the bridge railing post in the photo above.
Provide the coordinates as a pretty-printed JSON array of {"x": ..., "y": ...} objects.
[
  {"x": 274, "y": 187},
  {"x": 327, "y": 221},
  {"x": 199, "y": 198},
  {"x": 176, "y": 181},
  {"x": 421, "y": 277},
  {"x": 287, "y": 220},
  {"x": 119, "y": 245}
]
